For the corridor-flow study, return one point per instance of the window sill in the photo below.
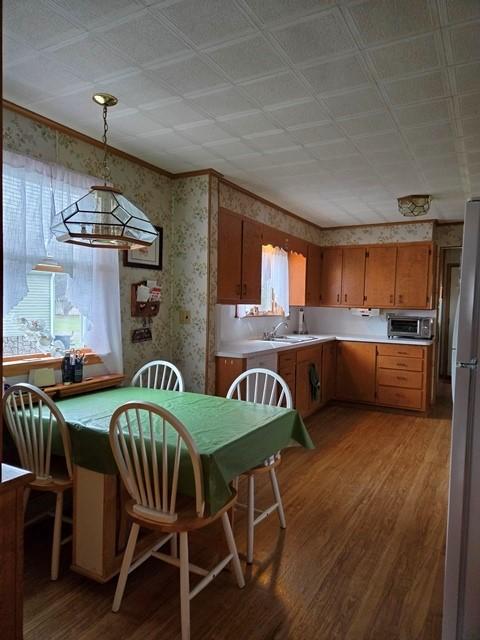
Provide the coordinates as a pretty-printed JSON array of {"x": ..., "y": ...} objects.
[{"x": 19, "y": 365}]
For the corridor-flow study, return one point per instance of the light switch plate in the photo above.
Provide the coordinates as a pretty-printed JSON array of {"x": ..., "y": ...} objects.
[{"x": 184, "y": 316}]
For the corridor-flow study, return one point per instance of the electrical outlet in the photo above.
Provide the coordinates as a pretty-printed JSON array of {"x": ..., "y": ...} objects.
[{"x": 184, "y": 316}]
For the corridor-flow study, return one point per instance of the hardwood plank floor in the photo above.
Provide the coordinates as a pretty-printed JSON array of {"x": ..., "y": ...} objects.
[{"x": 361, "y": 558}]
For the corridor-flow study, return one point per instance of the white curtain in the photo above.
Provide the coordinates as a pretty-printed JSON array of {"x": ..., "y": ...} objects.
[
  {"x": 33, "y": 191},
  {"x": 275, "y": 283}
]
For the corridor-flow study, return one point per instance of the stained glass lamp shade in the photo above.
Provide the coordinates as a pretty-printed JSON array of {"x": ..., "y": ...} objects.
[{"x": 414, "y": 206}]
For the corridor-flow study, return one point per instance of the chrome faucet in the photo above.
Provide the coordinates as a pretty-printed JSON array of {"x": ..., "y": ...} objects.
[{"x": 271, "y": 335}]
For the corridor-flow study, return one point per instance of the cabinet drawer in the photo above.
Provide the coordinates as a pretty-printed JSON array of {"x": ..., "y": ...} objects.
[
  {"x": 398, "y": 397},
  {"x": 400, "y": 363},
  {"x": 287, "y": 359},
  {"x": 399, "y": 350},
  {"x": 393, "y": 378}
]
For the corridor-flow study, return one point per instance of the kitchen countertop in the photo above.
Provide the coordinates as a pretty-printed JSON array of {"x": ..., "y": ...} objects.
[{"x": 249, "y": 348}]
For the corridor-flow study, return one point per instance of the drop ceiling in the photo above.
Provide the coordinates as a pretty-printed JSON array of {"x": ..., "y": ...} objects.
[{"x": 331, "y": 109}]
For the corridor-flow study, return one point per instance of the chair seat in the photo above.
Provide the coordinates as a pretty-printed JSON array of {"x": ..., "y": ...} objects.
[
  {"x": 54, "y": 484},
  {"x": 187, "y": 517}
]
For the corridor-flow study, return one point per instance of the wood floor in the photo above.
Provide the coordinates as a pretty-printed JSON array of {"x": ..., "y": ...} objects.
[{"x": 362, "y": 556}]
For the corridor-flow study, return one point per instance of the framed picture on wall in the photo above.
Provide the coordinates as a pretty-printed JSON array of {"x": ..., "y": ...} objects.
[{"x": 146, "y": 257}]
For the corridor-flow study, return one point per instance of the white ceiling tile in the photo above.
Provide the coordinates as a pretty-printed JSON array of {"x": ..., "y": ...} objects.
[
  {"x": 429, "y": 133},
  {"x": 417, "y": 89},
  {"x": 224, "y": 102},
  {"x": 273, "y": 10},
  {"x": 47, "y": 75},
  {"x": 251, "y": 123},
  {"x": 372, "y": 123},
  {"x": 408, "y": 56},
  {"x": 469, "y": 105},
  {"x": 207, "y": 21},
  {"x": 465, "y": 42},
  {"x": 37, "y": 23},
  {"x": 358, "y": 101},
  {"x": 136, "y": 89},
  {"x": 15, "y": 90},
  {"x": 289, "y": 156},
  {"x": 335, "y": 75},
  {"x": 283, "y": 87},
  {"x": 174, "y": 114},
  {"x": 467, "y": 77},
  {"x": 439, "y": 148},
  {"x": 316, "y": 133},
  {"x": 231, "y": 149},
  {"x": 188, "y": 75},
  {"x": 300, "y": 113},
  {"x": 133, "y": 123},
  {"x": 247, "y": 59},
  {"x": 197, "y": 154},
  {"x": 472, "y": 143},
  {"x": 90, "y": 59},
  {"x": 263, "y": 143},
  {"x": 15, "y": 51},
  {"x": 383, "y": 20},
  {"x": 423, "y": 113},
  {"x": 378, "y": 142},
  {"x": 336, "y": 149},
  {"x": 389, "y": 156},
  {"x": 314, "y": 37},
  {"x": 252, "y": 161},
  {"x": 93, "y": 13},
  {"x": 471, "y": 127},
  {"x": 143, "y": 39},
  {"x": 437, "y": 161},
  {"x": 164, "y": 140},
  {"x": 75, "y": 108},
  {"x": 204, "y": 133},
  {"x": 462, "y": 10}
]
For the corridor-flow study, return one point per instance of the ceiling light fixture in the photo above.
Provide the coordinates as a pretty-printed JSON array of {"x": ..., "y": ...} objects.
[
  {"x": 104, "y": 218},
  {"x": 415, "y": 205}
]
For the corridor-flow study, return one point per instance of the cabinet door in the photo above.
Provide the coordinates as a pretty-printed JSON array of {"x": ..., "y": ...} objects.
[
  {"x": 304, "y": 402},
  {"x": 331, "y": 287},
  {"x": 328, "y": 370},
  {"x": 353, "y": 276},
  {"x": 226, "y": 370},
  {"x": 356, "y": 371},
  {"x": 251, "y": 262},
  {"x": 380, "y": 276},
  {"x": 412, "y": 279},
  {"x": 229, "y": 257},
  {"x": 314, "y": 267}
]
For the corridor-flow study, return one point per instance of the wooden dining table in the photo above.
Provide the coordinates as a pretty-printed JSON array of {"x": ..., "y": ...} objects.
[{"x": 232, "y": 436}]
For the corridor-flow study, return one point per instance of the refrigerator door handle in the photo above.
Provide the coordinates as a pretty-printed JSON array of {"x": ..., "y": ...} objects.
[{"x": 471, "y": 364}]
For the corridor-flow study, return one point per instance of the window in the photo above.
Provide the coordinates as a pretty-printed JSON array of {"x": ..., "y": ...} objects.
[
  {"x": 275, "y": 285},
  {"x": 46, "y": 312}
]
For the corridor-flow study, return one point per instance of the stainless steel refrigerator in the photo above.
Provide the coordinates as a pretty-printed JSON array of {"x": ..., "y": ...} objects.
[{"x": 461, "y": 611}]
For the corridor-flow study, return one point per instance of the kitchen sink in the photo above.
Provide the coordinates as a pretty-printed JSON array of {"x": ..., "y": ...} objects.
[{"x": 292, "y": 339}]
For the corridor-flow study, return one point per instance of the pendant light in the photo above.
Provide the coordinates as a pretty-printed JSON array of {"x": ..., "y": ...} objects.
[
  {"x": 104, "y": 218},
  {"x": 414, "y": 206}
]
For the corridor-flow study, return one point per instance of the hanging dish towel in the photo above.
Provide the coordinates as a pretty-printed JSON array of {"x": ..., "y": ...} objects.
[{"x": 314, "y": 381}]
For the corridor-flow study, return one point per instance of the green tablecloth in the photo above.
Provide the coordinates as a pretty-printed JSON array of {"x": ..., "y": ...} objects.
[{"x": 232, "y": 436}]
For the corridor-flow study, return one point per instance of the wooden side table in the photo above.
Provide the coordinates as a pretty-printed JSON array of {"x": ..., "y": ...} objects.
[{"x": 12, "y": 485}]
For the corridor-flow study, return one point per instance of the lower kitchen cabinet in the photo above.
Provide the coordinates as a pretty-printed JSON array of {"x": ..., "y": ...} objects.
[
  {"x": 309, "y": 368},
  {"x": 355, "y": 379},
  {"x": 226, "y": 370},
  {"x": 329, "y": 368}
]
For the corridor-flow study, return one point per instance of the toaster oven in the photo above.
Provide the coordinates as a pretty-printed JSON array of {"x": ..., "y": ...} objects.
[{"x": 416, "y": 327}]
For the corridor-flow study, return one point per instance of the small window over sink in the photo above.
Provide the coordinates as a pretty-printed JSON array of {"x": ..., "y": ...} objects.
[{"x": 283, "y": 283}]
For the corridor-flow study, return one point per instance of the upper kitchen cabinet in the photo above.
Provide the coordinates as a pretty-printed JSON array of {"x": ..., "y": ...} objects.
[
  {"x": 380, "y": 276},
  {"x": 239, "y": 259},
  {"x": 331, "y": 280},
  {"x": 353, "y": 276},
  {"x": 313, "y": 279},
  {"x": 413, "y": 283}
]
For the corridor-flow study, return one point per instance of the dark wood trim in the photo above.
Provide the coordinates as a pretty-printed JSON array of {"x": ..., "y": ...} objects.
[
  {"x": 269, "y": 203},
  {"x": 380, "y": 224},
  {"x": 443, "y": 373},
  {"x": 61, "y": 128},
  {"x": 198, "y": 172},
  {"x": 440, "y": 223}
]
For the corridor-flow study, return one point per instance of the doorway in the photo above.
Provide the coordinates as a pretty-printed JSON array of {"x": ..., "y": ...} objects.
[{"x": 449, "y": 292}]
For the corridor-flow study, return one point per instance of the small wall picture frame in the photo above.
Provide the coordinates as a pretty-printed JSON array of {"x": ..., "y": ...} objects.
[{"x": 146, "y": 257}]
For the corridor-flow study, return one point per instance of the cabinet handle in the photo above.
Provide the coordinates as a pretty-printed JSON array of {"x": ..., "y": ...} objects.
[
  {"x": 238, "y": 289},
  {"x": 402, "y": 353},
  {"x": 400, "y": 298},
  {"x": 364, "y": 298},
  {"x": 338, "y": 297},
  {"x": 244, "y": 289},
  {"x": 401, "y": 364},
  {"x": 401, "y": 378},
  {"x": 345, "y": 297}
]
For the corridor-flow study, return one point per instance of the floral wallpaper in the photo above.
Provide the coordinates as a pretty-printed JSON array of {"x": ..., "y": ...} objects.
[
  {"x": 235, "y": 200},
  {"x": 212, "y": 282},
  {"x": 189, "y": 268},
  {"x": 147, "y": 188},
  {"x": 378, "y": 234},
  {"x": 449, "y": 235}
]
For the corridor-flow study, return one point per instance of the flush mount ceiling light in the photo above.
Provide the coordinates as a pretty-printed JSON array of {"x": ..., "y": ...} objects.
[
  {"x": 104, "y": 218},
  {"x": 413, "y": 206}
]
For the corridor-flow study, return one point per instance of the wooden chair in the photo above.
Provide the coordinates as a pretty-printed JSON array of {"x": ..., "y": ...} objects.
[
  {"x": 159, "y": 374},
  {"x": 263, "y": 387},
  {"x": 149, "y": 446},
  {"x": 31, "y": 417}
]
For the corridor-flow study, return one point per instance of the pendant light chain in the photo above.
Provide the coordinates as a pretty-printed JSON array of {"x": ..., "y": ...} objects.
[{"x": 106, "y": 169}]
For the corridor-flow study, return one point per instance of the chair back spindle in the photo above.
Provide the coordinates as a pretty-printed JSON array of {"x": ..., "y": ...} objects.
[
  {"x": 261, "y": 386},
  {"x": 159, "y": 374},
  {"x": 147, "y": 443},
  {"x": 31, "y": 417}
]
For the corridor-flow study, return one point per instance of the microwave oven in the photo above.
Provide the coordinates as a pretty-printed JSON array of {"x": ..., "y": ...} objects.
[{"x": 416, "y": 327}]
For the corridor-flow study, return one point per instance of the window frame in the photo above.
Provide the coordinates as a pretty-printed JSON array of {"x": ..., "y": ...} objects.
[{"x": 22, "y": 364}]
